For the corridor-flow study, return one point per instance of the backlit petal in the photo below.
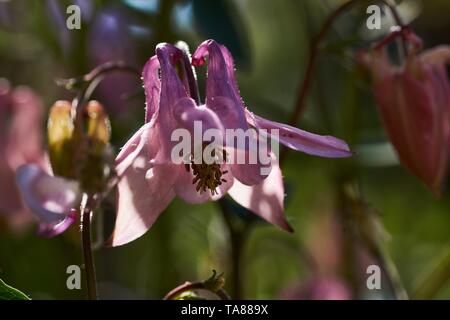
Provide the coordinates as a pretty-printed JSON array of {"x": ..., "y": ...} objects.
[
  {"x": 50, "y": 198},
  {"x": 264, "y": 199},
  {"x": 300, "y": 140}
]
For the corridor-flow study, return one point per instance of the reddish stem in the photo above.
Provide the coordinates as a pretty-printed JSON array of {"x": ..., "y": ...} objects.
[
  {"x": 189, "y": 286},
  {"x": 315, "y": 49},
  {"x": 89, "y": 266}
]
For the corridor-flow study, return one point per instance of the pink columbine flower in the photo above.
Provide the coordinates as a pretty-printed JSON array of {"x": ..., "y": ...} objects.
[
  {"x": 414, "y": 102},
  {"x": 149, "y": 179}
]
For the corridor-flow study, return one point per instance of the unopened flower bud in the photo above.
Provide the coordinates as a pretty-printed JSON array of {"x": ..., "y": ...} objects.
[
  {"x": 414, "y": 103},
  {"x": 95, "y": 153},
  {"x": 60, "y": 130}
]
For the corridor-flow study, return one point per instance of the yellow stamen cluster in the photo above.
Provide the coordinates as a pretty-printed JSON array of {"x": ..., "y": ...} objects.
[{"x": 207, "y": 176}]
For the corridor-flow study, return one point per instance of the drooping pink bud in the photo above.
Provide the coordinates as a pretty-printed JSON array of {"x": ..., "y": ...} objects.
[{"x": 414, "y": 103}]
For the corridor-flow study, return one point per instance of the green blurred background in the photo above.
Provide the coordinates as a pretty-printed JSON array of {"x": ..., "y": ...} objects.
[{"x": 269, "y": 41}]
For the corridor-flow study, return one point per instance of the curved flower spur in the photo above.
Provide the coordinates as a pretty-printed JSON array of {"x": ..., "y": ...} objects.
[{"x": 149, "y": 175}]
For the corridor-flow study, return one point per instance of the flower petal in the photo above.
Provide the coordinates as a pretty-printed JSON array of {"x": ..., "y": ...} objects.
[
  {"x": 413, "y": 102},
  {"x": 426, "y": 102},
  {"x": 132, "y": 149},
  {"x": 439, "y": 55},
  {"x": 176, "y": 109},
  {"x": 300, "y": 140},
  {"x": 222, "y": 96},
  {"x": 186, "y": 113},
  {"x": 264, "y": 199},
  {"x": 49, "y": 198},
  {"x": 247, "y": 171},
  {"x": 152, "y": 86},
  {"x": 49, "y": 231},
  {"x": 143, "y": 194},
  {"x": 145, "y": 188},
  {"x": 221, "y": 84},
  {"x": 172, "y": 89}
]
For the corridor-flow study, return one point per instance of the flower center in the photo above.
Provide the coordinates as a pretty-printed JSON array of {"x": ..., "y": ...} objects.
[{"x": 207, "y": 176}]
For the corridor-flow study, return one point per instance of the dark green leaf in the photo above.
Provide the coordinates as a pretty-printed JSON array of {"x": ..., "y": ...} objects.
[{"x": 9, "y": 293}]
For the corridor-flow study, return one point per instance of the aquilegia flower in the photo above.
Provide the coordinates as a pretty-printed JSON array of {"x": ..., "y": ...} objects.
[
  {"x": 149, "y": 176},
  {"x": 414, "y": 102}
]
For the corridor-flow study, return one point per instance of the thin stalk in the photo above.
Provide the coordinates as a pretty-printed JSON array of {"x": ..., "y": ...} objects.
[
  {"x": 434, "y": 279},
  {"x": 362, "y": 227},
  {"x": 238, "y": 236},
  {"x": 89, "y": 267},
  {"x": 86, "y": 85},
  {"x": 90, "y": 81},
  {"x": 391, "y": 272}
]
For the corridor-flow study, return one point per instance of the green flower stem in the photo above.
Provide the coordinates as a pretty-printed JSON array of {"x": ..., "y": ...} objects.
[
  {"x": 361, "y": 225},
  {"x": 434, "y": 279},
  {"x": 238, "y": 232}
]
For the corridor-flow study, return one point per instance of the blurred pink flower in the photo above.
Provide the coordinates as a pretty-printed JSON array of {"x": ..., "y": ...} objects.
[
  {"x": 51, "y": 199},
  {"x": 414, "y": 102},
  {"x": 318, "y": 289},
  {"x": 21, "y": 140},
  {"x": 325, "y": 257},
  {"x": 150, "y": 180}
]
